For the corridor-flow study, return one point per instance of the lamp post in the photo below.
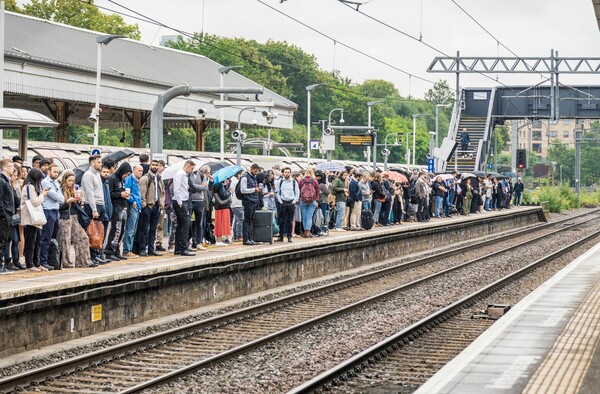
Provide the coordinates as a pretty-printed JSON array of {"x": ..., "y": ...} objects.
[
  {"x": 2, "y": 28},
  {"x": 369, "y": 105},
  {"x": 415, "y": 116},
  {"x": 437, "y": 126},
  {"x": 222, "y": 72},
  {"x": 386, "y": 152},
  {"x": 342, "y": 121},
  {"x": 309, "y": 89},
  {"x": 95, "y": 115}
]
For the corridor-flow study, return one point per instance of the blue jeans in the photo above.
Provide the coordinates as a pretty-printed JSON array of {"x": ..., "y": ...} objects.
[
  {"x": 339, "y": 217},
  {"x": 307, "y": 209},
  {"x": 376, "y": 210},
  {"x": 450, "y": 197},
  {"x": 487, "y": 203},
  {"x": 130, "y": 230},
  {"x": 366, "y": 205},
  {"x": 439, "y": 202},
  {"x": 517, "y": 199},
  {"x": 238, "y": 221},
  {"x": 323, "y": 207},
  {"x": 49, "y": 232}
]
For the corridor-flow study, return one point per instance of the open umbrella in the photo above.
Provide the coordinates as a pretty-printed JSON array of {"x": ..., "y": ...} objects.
[
  {"x": 225, "y": 173},
  {"x": 115, "y": 156},
  {"x": 497, "y": 176},
  {"x": 466, "y": 175},
  {"x": 509, "y": 174},
  {"x": 402, "y": 170},
  {"x": 395, "y": 176},
  {"x": 479, "y": 174},
  {"x": 170, "y": 172},
  {"x": 216, "y": 165},
  {"x": 444, "y": 176},
  {"x": 330, "y": 166}
]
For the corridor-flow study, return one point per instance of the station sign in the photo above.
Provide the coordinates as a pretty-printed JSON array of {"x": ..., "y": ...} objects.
[
  {"x": 314, "y": 144},
  {"x": 356, "y": 139},
  {"x": 95, "y": 152},
  {"x": 430, "y": 165}
]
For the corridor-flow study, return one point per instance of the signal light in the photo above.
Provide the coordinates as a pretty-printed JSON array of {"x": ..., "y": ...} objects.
[{"x": 521, "y": 158}]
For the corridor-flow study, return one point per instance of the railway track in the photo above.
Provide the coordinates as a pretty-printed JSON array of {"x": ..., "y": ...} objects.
[
  {"x": 153, "y": 360},
  {"x": 404, "y": 361}
]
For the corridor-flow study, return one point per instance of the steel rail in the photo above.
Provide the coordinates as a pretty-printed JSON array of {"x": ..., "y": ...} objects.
[
  {"x": 377, "y": 352},
  {"x": 41, "y": 374}
]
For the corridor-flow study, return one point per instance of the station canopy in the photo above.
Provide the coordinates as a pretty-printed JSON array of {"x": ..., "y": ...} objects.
[
  {"x": 52, "y": 61},
  {"x": 13, "y": 117}
]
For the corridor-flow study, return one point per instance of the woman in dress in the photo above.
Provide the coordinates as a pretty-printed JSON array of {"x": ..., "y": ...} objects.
[
  {"x": 70, "y": 231},
  {"x": 32, "y": 191},
  {"x": 222, "y": 216}
]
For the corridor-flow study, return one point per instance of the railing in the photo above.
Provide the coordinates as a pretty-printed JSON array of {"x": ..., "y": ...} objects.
[
  {"x": 453, "y": 127},
  {"x": 482, "y": 149}
]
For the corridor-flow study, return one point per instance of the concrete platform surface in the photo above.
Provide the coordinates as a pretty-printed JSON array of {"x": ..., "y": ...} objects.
[
  {"x": 547, "y": 343},
  {"x": 24, "y": 283}
]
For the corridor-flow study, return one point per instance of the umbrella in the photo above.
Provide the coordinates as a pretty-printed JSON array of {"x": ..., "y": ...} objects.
[
  {"x": 217, "y": 165},
  {"x": 466, "y": 175},
  {"x": 509, "y": 174},
  {"x": 225, "y": 173},
  {"x": 497, "y": 176},
  {"x": 395, "y": 176},
  {"x": 480, "y": 174},
  {"x": 170, "y": 172},
  {"x": 330, "y": 166},
  {"x": 117, "y": 156}
]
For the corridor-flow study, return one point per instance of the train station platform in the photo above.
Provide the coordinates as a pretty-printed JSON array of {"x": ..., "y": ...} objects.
[
  {"x": 547, "y": 343},
  {"x": 65, "y": 305}
]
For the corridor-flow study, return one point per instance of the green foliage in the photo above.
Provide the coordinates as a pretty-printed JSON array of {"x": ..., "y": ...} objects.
[
  {"x": 559, "y": 198},
  {"x": 502, "y": 137},
  {"x": 589, "y": 200},
  {"x": 440, "y": 93},
  {"x": 76, "y": 13},
  {"x": 527, "y": 197}
]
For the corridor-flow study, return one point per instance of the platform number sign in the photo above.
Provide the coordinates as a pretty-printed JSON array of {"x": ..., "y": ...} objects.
[
  {"x": 430, "y": 165},
  {"x": 521, "y": 158},
  {"x": 95, "y": 152},
  {"x": 96, "y": 312}
]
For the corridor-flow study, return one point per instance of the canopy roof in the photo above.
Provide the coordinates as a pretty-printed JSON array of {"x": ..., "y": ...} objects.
[{"x": 11, "y": 117}]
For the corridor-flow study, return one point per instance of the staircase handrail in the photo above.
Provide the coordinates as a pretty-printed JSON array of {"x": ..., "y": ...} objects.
[
  {"x": 482, "y": 149},
  {"x": 454, "y": 121}
]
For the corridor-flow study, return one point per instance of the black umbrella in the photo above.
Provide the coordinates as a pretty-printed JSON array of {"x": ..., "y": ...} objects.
[
  {"x": 117, "y": 156},
  {"x": 479, "y": 174},
  {"x": 509, "y": 174},
  {"x": 216, "y": 165},
  {"x": 497, "y": 176}
]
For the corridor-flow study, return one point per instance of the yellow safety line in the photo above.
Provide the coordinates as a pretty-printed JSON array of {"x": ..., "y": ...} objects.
[{"x": 568, "y": 360}]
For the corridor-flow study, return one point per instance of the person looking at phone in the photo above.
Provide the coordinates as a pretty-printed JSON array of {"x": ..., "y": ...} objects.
[
  {"x": 119, "y": 196},
  {"x": 51, "y": 207}
]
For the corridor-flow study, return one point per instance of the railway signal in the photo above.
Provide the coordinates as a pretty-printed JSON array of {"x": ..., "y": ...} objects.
[{"x": 521, "y": 158}]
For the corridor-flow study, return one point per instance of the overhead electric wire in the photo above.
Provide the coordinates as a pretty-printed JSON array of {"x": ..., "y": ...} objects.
[
  {"x": 338, "y": 42},
  {"x": 143, "y": 18},
  {"x": 417, "y": 40}
]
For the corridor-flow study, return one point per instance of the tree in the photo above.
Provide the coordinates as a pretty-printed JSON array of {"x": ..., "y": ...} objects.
[
  {"x": 76, "y": 13},
  {"x": 440, "y": 94}
]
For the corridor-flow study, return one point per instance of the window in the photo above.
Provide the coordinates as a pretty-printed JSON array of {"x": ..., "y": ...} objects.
[
  {"x": 537, "y": 148},
  {"x": 536, "y": 135},
  {"x": 537, "y": 124},
  {"x": 565, "y": 134},
  {"x": 566, "y": 122},
  {"x": 552, "y": 134}
]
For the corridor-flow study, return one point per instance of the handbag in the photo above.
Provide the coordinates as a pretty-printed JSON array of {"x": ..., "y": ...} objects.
[
  {"x": 82, "y": 217},
  {"x": 95, "y": 233},
  {"x": 38, "y": 218},
  {"x": 221, "y": 203}
]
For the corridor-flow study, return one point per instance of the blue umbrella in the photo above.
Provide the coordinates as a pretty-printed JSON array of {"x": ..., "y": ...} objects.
[{"x": 226, "y": 173}]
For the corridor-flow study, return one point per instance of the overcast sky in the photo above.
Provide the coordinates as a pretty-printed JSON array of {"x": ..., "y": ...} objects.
[{"x": 527, "y": 27}]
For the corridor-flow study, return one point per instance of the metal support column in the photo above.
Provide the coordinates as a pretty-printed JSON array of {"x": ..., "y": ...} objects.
[
  {"x": 577, "y": 162},
  {"x": 23, "y": 142},
  {"x": 137, "y": 123},
  {"x": 61, "y": 115},
  {"x": 199, "y": 126}
]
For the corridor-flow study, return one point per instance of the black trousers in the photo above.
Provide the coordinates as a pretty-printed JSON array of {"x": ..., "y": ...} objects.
[
  {"x": 183, "y": 226},
  {"x": 49, "y": 232},
  {"x": 249, "y": 210},
  {"x": 422, "y": 214},
  {"x": 286, "y": 217},
  {"x": 118, "y": 223},
  {"x": 33, "y": 242},
  {"x": 147, "y": 228},
  {"x": 384, "y": 213},
  {"x": 100, "y": 209},
  {"x": 5, "y": 230}
]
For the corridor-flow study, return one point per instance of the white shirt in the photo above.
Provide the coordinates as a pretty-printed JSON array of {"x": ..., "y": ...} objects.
[{"x": 180, "y": 187}]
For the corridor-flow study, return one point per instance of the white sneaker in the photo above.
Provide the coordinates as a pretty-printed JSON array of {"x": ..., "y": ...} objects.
[
  {"x": 340, "y": 229},
  {"x": 200, "y": 247},
  {"x": 221, "y": 244}
]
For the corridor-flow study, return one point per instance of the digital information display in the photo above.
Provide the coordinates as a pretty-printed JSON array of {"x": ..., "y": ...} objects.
[{"x": 356, "y": 139}]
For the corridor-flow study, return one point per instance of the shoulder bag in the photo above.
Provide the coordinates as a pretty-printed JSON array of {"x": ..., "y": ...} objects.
[{"x": 35, "y": 213}]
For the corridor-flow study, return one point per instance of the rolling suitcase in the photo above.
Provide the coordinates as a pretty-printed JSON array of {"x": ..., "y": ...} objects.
[{"x": 263, "y": 226}]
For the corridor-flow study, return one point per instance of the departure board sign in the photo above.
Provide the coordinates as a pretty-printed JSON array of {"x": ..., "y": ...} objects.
[{"x": 356, "y": 139}]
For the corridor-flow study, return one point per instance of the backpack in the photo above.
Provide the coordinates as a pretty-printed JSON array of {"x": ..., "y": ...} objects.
[
  {"x": 238, "y": 190},
  {"x": 307, "y": 192},
  {"x": 281, "y": 183}
]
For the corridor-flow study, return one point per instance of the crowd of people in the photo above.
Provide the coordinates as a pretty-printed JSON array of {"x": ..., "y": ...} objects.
[{"x": 43, "y": 213}]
